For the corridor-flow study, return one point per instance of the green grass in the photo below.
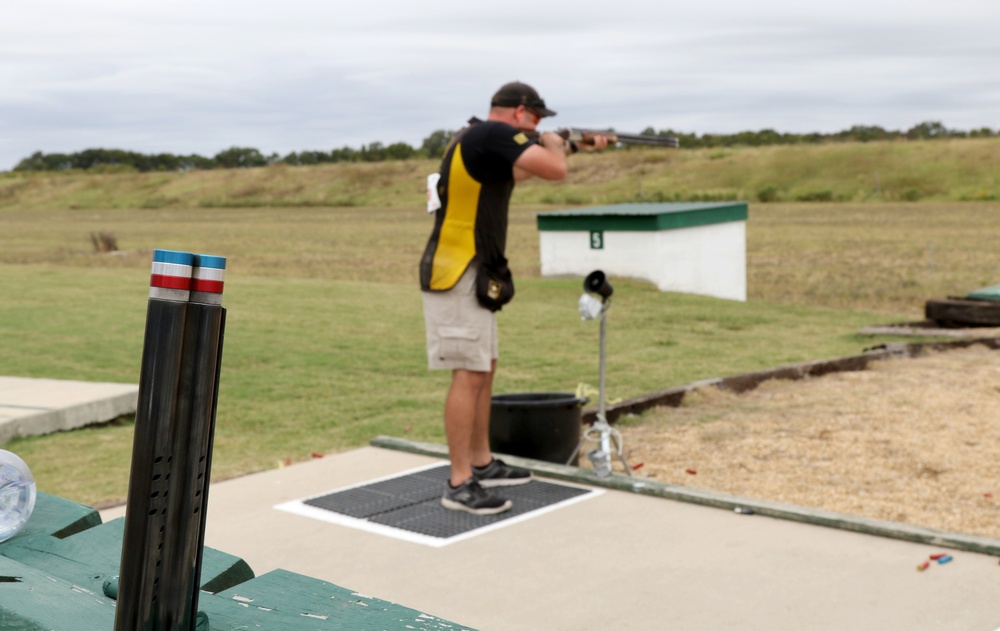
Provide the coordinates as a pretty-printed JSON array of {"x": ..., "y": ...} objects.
[
  {"x": 324, "y": 342},
  {"x": 315, "y": 365},
  {"x": 887, "y": 257}
]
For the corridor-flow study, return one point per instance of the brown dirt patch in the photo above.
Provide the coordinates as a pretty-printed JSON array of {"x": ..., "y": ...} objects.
[{"x": 908, "y": 440}]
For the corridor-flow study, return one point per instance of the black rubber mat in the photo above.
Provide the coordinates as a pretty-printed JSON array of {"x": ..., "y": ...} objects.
[{"x": 412, "y": 502}]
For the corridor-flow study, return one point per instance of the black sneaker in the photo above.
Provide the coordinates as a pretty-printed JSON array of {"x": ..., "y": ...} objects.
[
  {"x": 498, "y": 473},
  {"x": 473, "y": 498}
]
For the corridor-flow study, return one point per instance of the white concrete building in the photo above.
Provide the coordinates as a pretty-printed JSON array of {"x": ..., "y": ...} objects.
[{"x": 697, "y": 248}]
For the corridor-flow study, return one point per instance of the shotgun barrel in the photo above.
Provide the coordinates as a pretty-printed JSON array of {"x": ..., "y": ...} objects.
[{"x": 586, "y": 137}]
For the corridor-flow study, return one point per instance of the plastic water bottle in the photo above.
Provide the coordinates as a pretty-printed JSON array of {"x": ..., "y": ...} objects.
[{"x": 17, "y": 494}]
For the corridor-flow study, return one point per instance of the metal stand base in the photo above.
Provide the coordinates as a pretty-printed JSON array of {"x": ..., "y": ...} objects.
[{"x": 601, "y": 432}]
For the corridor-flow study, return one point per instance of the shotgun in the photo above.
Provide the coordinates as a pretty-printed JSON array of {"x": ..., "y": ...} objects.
[{"x": 586, "y": 137}]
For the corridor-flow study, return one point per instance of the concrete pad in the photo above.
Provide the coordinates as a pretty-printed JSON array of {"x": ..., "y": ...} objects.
[
  {"x": 619, "y": 560},
  {"x": 30, "y": 407}
]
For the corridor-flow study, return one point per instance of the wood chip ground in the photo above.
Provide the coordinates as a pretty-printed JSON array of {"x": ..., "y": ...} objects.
[{"x": 908, "y": 440}]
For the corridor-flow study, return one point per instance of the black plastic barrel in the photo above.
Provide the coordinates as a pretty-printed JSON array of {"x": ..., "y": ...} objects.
[{"x": 538, "y": 425}]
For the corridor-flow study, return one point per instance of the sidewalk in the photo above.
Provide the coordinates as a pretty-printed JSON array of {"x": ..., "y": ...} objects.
[
  {"x": 29, "y": 407},
  {"x": 614, "y": 560}
]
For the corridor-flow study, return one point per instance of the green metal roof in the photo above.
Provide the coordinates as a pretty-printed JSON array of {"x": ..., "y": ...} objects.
[{"x": 644, "y": 217}]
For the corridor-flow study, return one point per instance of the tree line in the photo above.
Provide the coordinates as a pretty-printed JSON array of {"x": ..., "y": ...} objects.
[
  {"x": 858, "y": 133},
  {"x": 434, "y": 145}
]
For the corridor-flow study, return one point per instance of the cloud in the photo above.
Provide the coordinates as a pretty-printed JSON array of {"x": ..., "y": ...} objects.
[{"x": 197, "y": 77}]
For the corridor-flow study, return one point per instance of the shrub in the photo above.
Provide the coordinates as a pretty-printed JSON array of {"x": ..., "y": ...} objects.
[
  {"x": 768, "y": 194},
  {"x": 981, "y": 195}
]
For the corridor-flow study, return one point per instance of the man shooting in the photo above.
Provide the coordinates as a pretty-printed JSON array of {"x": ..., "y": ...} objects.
[{"x": 465, "y": 280}]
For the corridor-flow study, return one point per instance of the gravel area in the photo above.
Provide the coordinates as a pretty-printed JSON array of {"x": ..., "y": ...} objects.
[{"x": 908, "y": 440}]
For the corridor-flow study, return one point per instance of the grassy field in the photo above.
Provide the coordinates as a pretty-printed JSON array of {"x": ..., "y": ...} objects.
[{"x": 324, "y": 341}]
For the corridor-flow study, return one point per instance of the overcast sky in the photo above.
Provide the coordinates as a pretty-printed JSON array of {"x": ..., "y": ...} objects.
[{"x": 199, "y": 76}]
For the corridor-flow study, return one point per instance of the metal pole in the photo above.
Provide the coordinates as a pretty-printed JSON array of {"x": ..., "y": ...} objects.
[
  {"x": 601, "y": 458},
  {"x": 602, "y": 399},
  {"x": 596, "y": 283}
]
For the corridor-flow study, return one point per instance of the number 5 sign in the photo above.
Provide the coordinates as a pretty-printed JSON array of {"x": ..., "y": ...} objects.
[{"x": 596, "y": 239}]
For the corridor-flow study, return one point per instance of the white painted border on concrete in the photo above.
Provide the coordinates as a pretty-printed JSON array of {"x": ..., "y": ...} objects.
[{"x": 299, "y": 507}]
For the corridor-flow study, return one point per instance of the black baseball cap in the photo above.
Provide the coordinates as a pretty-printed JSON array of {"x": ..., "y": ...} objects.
[{"x": 517, "y": 93}]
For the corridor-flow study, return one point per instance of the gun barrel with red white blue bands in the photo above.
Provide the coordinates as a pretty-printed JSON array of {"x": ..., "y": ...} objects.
[
  {"x": 172, "y": 445},
  {"x": 187, "y": 277}
]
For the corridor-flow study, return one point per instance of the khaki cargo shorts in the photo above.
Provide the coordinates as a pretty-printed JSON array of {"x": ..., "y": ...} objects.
[{"x": 460, "y": 332}]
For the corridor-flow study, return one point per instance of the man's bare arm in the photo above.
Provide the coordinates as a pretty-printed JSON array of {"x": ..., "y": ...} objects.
[{"x": 546, "y": 160}]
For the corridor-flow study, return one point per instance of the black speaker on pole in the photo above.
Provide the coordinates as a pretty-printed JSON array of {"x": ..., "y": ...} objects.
[{"x": 597, "y": 283}]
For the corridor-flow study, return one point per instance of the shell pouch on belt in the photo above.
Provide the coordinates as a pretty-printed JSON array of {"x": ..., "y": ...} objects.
[{"x": 494, "y": 285}]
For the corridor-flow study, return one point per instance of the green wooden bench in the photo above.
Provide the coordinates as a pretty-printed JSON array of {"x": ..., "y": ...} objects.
[{"x": 59, "y": 574}]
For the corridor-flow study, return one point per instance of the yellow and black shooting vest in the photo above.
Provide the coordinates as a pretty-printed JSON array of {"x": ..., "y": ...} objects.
[{"x": 477, "y": 179}]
